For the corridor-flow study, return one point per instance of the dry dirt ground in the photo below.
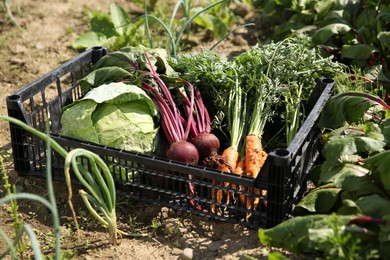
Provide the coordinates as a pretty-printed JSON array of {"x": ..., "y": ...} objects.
[{"x": 49, "y": 27}]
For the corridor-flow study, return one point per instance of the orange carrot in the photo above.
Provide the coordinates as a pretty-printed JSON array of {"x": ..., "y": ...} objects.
[
  {"x": 264, "y": 193},
  {"x": 253, "y": 149},
  {"x": 229, "y": 160},
  {"x": 239, "y": 170},
  {"x": 255, "y": 158},
  {"x": 256, "y": 200}
]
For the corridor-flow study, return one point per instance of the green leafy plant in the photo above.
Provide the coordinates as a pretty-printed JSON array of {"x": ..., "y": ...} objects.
[
  {"x": 17, "y": 223},
  {"x": 90, "y": 118},
  {"x": 112, "y": 31},
  {"x": 118, "y": 29},
  {"x": 352, "y": 182},
  {"x": 9, "y": 13},
  {"x": 174, "y": 37},
  {"x": 100, "y": 191},
  {"x": 50, "y": 204},
  {"x": 355, "y": 32}
]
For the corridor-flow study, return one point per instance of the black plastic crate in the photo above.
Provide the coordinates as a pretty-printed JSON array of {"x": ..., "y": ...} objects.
[{"x": 157, "y": 180}]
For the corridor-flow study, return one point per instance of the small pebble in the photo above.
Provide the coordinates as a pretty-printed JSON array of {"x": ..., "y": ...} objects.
[
  {"x": 187, "y": 254},
  {"x": 19, "y": 188}
]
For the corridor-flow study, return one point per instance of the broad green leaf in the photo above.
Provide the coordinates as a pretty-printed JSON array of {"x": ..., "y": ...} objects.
[
  {"x": 212, "y": 23},
  {"x": 339, "y": 147},
  {"x": 118, "y": 93},
  {"x": 385, "y": 128},
  {"x": 358, "y": 186},
  {"x": 374, "y": 205},
  {"x": 83, "y": 125},
  {"x": 384, "y": 241},
  {"x": 379, "y": 164},
  {"x": 124, "y": 59},
  {"x": 116, "y": 114},
  {"x": 102, "y": 76},
  {"x": 349, "y": 207},
  {"x": 323, "y": 34},
  {"x": 338, "y": 173},
  {"x": 373, "y": 131},
  {"x": 335, "y": 15},
  {"x": 293, "y": 233},
  {"x": 365, "y": 18},
  {"x": 322, "y": 8},
  {"x": 383, "y": 20},
  {"x": 346, "y": 108},
  {"x": 319, "y": 200},
  {"x": 276, "y": 256},
  {"x": 88, "y": 40},
  {"x": 384, "y": 37},
  {"x": 357, "y": 51},
  {"x": 133, "y": 58},
  {"x": 102, "y": 24},
  {"x": 119, "y": 18}
]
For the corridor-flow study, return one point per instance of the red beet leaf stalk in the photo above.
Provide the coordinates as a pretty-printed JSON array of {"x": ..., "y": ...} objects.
[
  {"x": 200, "y": 131},
  {"x": 175, "y": 129}
]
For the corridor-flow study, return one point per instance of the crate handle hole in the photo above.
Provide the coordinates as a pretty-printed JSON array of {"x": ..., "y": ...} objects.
[
  {"x": 282, "y": 152},
  {"x": 14, "y": 97},
  {"x": 327, "y": 81}
]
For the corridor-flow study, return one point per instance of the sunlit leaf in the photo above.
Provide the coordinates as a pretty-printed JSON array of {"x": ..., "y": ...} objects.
[
  {"x": 320, "y": 200},
  {"x": 323, "y": 34},
  {"x": 358, "y": 51},
  {"x": 384, "y": 37},
  {"x": 374, "y": 205},
  {"x": 119, "y": 18}
]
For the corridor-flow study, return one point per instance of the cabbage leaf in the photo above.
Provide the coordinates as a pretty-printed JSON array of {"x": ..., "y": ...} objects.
[{"x": 117, "y": 115}]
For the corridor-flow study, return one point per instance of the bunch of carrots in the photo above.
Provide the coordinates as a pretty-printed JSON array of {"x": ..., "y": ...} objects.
[{"x": 249, "y": 110}]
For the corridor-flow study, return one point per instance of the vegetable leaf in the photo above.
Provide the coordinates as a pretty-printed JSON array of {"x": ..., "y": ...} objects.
[
  {"x": 357, "y": 51},
  {"x": 374, "y": 205},
  {"x": 323, "y": 34},
  {"x": 102, "y": 76},
  {"x": 347, "y": 108},
  {"x": 116, "y": 114},
  {"x": 319, "y": 200},
  {"x": 380, "y": 165},
  {"x": 102, "y": 24},
  {"x": 89, "y": 39},
  {"x": 294, "y": 233},
  {"x": 119, "y": 18}
]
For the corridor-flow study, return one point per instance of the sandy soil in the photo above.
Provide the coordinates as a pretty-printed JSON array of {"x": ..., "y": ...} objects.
[{"x": 44, "y": 43}]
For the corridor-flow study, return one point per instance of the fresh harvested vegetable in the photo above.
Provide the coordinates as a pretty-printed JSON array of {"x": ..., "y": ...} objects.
[
  {"x": 240, "y": 170},
  {"x": 228, "y": 162},
  {"x": 176, "y": 133},
  {"x": 262, "y": 93},
  {"x": 117, "y": 115},
  {"x": 176, "y": 128},
  {"x": 200, "y": 131},
  {"x": 231, "y": 156},
  {"x": 292, "y": 66},
  {"x": 212, "y": 74},
  {"x": 352, "y": 182},
  {"x": 255, "y": 156}
]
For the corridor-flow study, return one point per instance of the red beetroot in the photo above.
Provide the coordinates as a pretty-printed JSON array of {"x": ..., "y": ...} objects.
[
  {"x": 183, "y": 151},
  {"x": 176, "y": 129},
  {"x": 207, "y": 144},
  {"x": 200, "y": 131}
]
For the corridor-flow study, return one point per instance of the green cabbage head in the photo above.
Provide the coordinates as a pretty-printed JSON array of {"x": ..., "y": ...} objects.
[{"x": 117, "y": 115}]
